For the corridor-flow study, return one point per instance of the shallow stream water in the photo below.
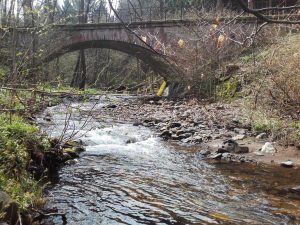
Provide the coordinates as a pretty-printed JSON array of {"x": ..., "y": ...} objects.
[{"x": 129, "y": 176}]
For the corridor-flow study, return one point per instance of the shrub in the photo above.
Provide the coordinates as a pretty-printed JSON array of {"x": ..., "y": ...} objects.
[{"x": 228, "y": 89}]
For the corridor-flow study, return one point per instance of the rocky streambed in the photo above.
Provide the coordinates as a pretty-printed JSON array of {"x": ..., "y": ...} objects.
[
  {"x": 162, "y": 162},
  {"x": 219, "y": 130}
]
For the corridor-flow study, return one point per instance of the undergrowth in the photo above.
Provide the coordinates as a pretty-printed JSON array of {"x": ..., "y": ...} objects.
[
  {"x": 19, "y": 141},
  {"x": 273, "y": 105}
]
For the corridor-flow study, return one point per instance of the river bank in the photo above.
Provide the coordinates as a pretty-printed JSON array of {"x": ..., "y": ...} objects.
[
  {"x": 200, "y": 128},
  {"x": 28, "y": 158},
  {"x": 207, "y": 126}
]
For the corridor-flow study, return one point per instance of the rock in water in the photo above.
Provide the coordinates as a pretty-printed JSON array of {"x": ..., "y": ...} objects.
[
  {"x": 288, "y": 164},
  {"x": 232, "y": 146},
  {"x": 296, "y": 189},
  {"x": 166, "y": 134},
  {"x": 205, "y": 152},
  {"x": 268, "y": 148},
  {"x": 216, "y": 156},
  {"x": 131, "y": 140},
  {"x": 137, "y": 123}
]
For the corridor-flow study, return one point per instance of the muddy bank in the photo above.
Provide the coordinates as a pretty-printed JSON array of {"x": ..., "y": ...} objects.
[{"x": 218, "y": 130}]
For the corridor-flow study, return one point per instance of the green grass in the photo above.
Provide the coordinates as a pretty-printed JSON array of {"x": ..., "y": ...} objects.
[
  {"x": 258, "y": 55},
  {"x": 4, "y": 70},
  {"x": 68, "y": 89},
  {"x": 228, "y": 90},
  {"x": 260, "y": 127},
  {"x": 18, "y": 142}
]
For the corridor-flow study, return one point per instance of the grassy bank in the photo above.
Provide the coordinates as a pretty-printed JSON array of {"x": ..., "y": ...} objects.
[
  {"x": 27, "y": 155},
  {"x": 21, "y": 145},
  {"x": 267, "y": 87}
]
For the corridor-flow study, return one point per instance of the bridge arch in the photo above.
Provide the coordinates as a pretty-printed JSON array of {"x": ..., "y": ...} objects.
[{"x": 156, "y": 62}]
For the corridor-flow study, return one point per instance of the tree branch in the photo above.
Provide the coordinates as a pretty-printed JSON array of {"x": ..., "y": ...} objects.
[{"x": 257, "y": 13}]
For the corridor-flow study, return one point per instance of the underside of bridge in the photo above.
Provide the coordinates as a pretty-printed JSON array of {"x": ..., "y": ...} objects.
[{"x": 157, "y": 62}]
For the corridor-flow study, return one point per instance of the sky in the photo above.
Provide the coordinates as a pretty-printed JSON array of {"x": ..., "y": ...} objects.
[{"x": 115, "y": 3}]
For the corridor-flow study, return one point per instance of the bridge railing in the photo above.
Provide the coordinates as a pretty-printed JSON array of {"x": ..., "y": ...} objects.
[{"x": 146, "y": 14}]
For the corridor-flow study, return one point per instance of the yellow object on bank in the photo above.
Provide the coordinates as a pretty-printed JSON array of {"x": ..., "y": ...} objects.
[
  {"x": 162, "y": 89},
  {"x": 181, "y": 43}
]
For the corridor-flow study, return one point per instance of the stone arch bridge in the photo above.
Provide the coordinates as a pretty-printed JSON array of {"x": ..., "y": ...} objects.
[{"x": 134, "y": 40}]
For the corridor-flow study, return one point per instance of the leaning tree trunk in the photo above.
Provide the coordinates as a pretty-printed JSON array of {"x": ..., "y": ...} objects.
[{"x": 79, "y": 76}]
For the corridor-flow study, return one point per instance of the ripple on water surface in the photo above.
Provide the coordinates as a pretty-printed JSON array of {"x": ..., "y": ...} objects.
[{"x": 129, "y": 176}]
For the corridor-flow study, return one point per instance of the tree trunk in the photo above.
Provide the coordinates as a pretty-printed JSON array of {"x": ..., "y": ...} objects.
[
  {"x": 220, "y": 5},
  {"x": 79, "y": 76},
  {"x": 11, "y": 13},
  {"x": 27, "y": 9}
]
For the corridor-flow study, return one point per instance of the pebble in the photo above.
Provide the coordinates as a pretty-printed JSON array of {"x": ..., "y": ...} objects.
[
  {"x": 239, "y": 131},
  {"x": 262, "y": 136},
  {"x": 239, "y": 137},
  {"x": 288, "y": 164},
  {"x": 136, "y": 124},
  {"x": 197, "y": 139},
  {"x": 259, "y": 153}
]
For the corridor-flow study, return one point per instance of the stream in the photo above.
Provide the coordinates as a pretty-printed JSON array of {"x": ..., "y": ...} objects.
[{"x": 128, "y": 175}]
